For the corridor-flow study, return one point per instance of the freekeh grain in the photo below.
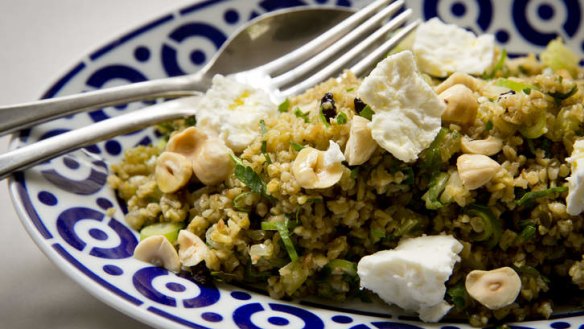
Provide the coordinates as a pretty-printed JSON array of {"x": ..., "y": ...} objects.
[{"x": 384, "y": 200}]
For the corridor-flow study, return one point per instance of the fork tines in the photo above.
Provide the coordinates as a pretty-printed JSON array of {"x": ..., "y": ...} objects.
[{"x": 358, "y": 41}]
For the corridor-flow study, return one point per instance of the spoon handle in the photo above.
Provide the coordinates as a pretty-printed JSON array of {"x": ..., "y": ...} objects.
[
  {"x": 20, "y": 116},
  {"x": 46, "y": 149}
]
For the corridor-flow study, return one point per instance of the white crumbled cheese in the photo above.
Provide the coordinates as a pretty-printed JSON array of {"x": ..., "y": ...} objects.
[
  {"x": 442, "y": 49},
  {"x": 333, "y": 155},
  {"x": 412, "y": 275},
  {"x": 407, "y": 110},
  {"x": 232, "y": 110},
  {"x": 575, "y": 198}
]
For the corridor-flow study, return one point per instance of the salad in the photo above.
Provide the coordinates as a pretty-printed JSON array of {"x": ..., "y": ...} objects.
[{"x": 448, "y": 182}]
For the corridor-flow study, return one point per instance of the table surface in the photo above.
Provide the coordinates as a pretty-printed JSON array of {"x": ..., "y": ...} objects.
[{"x": 39, "y": 40}]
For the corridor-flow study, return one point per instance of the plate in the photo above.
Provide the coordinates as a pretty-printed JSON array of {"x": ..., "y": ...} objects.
[{"x": 77, "y": 220}]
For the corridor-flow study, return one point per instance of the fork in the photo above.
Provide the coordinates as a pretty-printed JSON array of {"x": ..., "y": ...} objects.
[{"x": 316, "y": 63}]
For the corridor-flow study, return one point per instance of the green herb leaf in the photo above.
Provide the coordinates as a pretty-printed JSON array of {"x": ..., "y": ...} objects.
[
  {"x": 558, "y": 56},
  {"x": 435, "y": 188},
  {"x": 410, "y": 175},
  {"x": 297, "y": 147},
  {"x": 458, "y": 295},
  {"x": 263, "y": 128},
  {"x": 341, "y": 118},
  {"x": 376, "y": 234},
  {"x": 264, "y": 150},
  {"x": 248, "y": 177},
  {"x": 299, "y": 114},
  {"x": 284, "y": 106},
  {"x": 516, "y": 86},
  {"x": 498, "y": 66},
  {"x": 489, "y": 125},
  {"x": 191, "y": 121},
  {"x": 444, "y": 146},
  {"x": 343, "y": 266},
  {"x": 528, "y": 232},
  {"x": 323, "y": 118},
  {"x": 282, "y": 228},
  {"x": 367, "y": 112},
  {"x": 532, "y": 196},
  {"x": 239, "y": 202},
  {"x": 492, "y": 229}
]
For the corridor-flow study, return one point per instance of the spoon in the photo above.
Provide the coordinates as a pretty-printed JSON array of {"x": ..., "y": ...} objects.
[{"x": 264, "y": 39}]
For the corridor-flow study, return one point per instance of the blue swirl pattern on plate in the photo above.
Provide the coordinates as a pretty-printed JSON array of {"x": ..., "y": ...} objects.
[{"x": 77, "y": 220}]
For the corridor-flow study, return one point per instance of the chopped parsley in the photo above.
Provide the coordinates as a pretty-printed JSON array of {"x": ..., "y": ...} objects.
[
  {"x": 284, "y": 106},
  {"x": 529, "y": 197},
  {"x": 367, "y": 112},
  {"x": 297, "y": 147},
  {"x": 264, "y": 130},
  {"x": 499, "y": 66},
  {"x": 191, "y": 121},
  {"x": 249, "y": 177},
  {"x": 299, "y": 114},
  {"x": 283, "y": 230},
  {"x": 323, "y": 118},
  {"x": 528, "y": 232},
  {"x": 341, "y": 118}
]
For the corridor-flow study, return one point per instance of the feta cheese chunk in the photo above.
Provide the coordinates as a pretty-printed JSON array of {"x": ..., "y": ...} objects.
[
  {"x": 412, "y": 275},
  {"x": 232, "y": 111},
  {"x": 333, "y": 155},
  {"x": 575, "y": 197},
  {"x": 407, "y": 110},
  {"x": 442, "y": 49}
]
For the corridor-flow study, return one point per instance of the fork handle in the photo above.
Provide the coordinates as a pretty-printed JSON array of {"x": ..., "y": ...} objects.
[
  {"x": 20, "y": 116},
  {"x": 46, "y": 149}
]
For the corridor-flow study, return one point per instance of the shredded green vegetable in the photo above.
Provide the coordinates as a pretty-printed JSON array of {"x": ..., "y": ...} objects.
[
  {"x": 284, "y": 106},
  {"x": 264, "y": 149},
  {"x": 536, "y": 130},
  {"x": 323, "y": 118},
  {"x": 191, "y": 121},
  {"x": 376, "y": 234},
  {"x": 299, "y": 114},
  {"x": 557, "y": 56},
  {"x": 446, "y": 143},
  {"x": 282, "y": 228},
  {"x": 367, "y": 112},
  {"x": 530, "y": 197},
  {"x": 297, "y": 147},
  {"x": 435, "y": 188},
  {"x": 492, "y": 229},
  {"x": 528, "y": 232},
  {"x": 238, "y": 202},
  {"x": 499, "y": 66},
  {"x": 516, "y": 85},
  {"x": 342, "y": 265},
  {"x": 341, "y": 118},
  {"x": 458, "y": 295}
]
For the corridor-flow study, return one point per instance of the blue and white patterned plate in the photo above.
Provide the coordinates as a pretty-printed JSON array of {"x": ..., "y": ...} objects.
[{"x": 63, "y": 203}]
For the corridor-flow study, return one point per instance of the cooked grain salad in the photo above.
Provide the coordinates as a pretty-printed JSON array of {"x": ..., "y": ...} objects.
[{"x": 482, "y": 194}]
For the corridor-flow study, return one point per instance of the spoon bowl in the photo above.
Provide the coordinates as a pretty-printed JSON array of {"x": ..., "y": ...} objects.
[
  {"x": 272, "y": 36},
  {"x": 263, "y": 39}
]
